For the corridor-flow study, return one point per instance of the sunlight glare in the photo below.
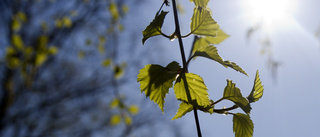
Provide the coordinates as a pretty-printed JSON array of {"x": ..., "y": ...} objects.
[{"x": 271, "y": 10}]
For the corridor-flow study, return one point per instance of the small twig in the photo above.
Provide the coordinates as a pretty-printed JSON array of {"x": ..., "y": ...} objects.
[{"x": 222, "y": 111}]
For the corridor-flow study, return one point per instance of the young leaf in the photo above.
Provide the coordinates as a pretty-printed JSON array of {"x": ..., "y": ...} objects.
[
  {"x": 40, "y": 59},
  {"x": 257, "y": 90},
  {"x": 114, "y": 103},
  {"x": 242, "y": 125},
  {"x": 115, "y": 120},
  {"x": 17, "y": 41},
  {"x": 155, "y": 81},
  {"x": 118, "y": 72},
  {"x": 67, "y": 22},
  {"x": 232, "y": 93},
  {"x": 127, "y": 120},
  {"x": 106, "y": 62},
  {"x": 201, "y": 3},
  {"x": 53, "y": 50},
  {"x": 184, "y": 108},
  {"x": 206, "y": 41},
  {"x": 154, "y": 27},
  {"x": 202, "y": 23},
  {"x": 211, "y": 52},
  {"x": 191, "y": 88},
  {"x": 133, "y": 109},
  {"x": 16, "y": 24},
  {"x": 113, "y": 9}
]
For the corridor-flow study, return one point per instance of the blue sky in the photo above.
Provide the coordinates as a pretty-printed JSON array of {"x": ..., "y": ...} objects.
[{"x": 289, "y": 107}]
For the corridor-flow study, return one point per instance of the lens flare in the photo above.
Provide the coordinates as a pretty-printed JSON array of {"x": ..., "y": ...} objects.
[{"x": 270, "y": 10}]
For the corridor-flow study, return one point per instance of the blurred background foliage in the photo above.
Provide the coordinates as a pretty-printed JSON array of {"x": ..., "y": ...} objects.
[{"x": 68, "y": 68}]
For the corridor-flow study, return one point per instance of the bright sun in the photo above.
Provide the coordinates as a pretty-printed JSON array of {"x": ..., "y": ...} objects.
[{"x": 270, "y": 11}]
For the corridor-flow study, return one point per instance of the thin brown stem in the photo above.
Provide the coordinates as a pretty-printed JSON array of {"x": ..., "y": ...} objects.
[
  {"x": 178, "y": 33},
  {"x": 224, "y": 110}
]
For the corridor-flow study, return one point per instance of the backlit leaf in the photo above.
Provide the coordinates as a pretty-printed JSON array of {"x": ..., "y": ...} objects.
[
  {"x": 201, "y": 3},
  {"x": 28, "y": 51},
  {"x": 120, "y": 27},
  {"x": 257, "y": 90},
  {"x": 193, "y": 83},
  {"x": 155, "y": 82},
  {"x": 115, "y": 120},
  {"x": 125, "y": 8},
  {"x": 118, "y": 72},
  {"x": 66, "y": 22},
  {"x": 106, "y": 62},
  {"x": 113, "y": 9},
  {"x": 242, "y": 125},
  {"x": 184, "y": 108},
  {"x": 17, "y": 41},
  {"x": 127, "y": 120},
  {"x": 115, "y": 103},
  {"x": 202, "y": 23},
  {"x": 10, "y": 51},
  {"x": 206, "y": 41},
  {"x": 53, "y": 50},
  {"x": 42, "y": 42},
  {"x": 211, "y": 52},
  {"x": 40, "y": 59},
  {"x": 133, "y": 109},
  {"x": 15, "y": 25},
  {"x": 232, "y": 93},
  {"x": 101, "y": 49},
  {"x": 22, "y": 16},
  {"x": 154, "y": 28},
  {"x": 58, "y": 23},
  {"x": 13, "y": 62}
]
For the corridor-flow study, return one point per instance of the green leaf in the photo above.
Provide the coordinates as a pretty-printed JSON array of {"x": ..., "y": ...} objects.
[
  {"x": 107, "y": 62},
  {"x": 133, "y": 109},
  {"x": 184, "y": 108},
  {"x": 206, "y": 41},
  {"x": 154, "y": 27},
  {"x": 208, "y": 109},
  {"x": 17, "y": 42},
  {"x": 211, "y": 52},
  {"x": 191, "y": 88},
  {"x": 232, "y": 93},
  {"x": 155, "y": 82},
  {"x": 118, "y": 72},
  {"x": 113, "y": 9},
  {"x": 40, "y": 59},
  {"x": 42, "y": 42},
  {"x": 127, "y": 120},
  {"x": 115, "y": 120},
  {"x": 257, "y": 90},
  {"x": 15, "y": 25},
  {"x": 173, "y": 66},
  {"x": 242, "y": 125},
  {"x": 201, "y": 3},
  {"x": 202, "y": 23},
  {"x": 67, "y": 22},
  {"x": 114, "y": 103},
  {"x": 22, "y": 16},
  {"x": 53, "y": 50}
]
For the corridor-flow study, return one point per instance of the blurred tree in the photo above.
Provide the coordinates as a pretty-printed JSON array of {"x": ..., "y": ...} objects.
[
  {"x": 63, "y": 69},
  {"x": 266, "y": 48}
]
